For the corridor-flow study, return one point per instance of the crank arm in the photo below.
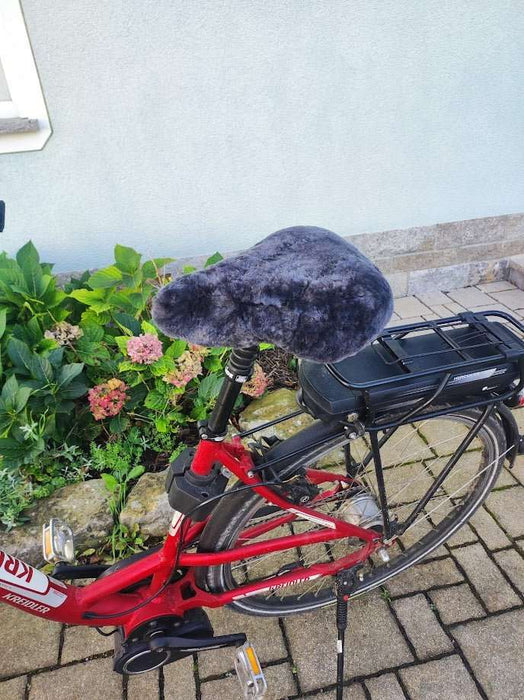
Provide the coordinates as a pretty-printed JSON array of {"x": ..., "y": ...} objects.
[{"x": 188, "y": 644}]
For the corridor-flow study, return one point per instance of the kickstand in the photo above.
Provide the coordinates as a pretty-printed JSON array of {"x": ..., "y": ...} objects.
[{"x": 345, "y": 583}]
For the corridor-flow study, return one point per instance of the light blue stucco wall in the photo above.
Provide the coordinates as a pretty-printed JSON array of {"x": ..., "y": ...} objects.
[{"x": 185, "y": 126}]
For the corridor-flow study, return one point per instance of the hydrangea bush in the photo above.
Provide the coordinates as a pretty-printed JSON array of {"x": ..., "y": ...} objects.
[{"x": 84, "y": 366}]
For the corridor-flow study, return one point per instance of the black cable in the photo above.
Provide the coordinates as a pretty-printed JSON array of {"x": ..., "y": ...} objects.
[{"x": 112, "y": 616}]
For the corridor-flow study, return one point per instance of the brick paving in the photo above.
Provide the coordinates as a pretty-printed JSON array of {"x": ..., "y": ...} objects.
[{"x": 452, "y": 627}]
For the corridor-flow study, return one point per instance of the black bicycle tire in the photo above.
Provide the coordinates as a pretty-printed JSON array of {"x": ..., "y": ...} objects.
[{"x": 228, "y": 519}]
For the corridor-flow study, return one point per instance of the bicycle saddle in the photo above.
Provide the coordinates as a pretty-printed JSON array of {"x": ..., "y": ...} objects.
[{"x": 303, "y": 288}]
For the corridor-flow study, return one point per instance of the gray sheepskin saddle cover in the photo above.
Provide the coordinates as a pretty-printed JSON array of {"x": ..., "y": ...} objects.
[{"x": 303, "y": 288}]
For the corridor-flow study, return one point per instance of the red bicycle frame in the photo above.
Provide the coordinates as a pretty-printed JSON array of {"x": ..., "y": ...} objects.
[{"x": 108, "y": 601}]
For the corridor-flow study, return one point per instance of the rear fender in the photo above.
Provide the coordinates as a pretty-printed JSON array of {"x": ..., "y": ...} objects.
[{"x": 511, "y": 431}]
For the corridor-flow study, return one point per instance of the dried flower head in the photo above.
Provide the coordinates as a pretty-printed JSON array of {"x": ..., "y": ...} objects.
[
  {"x": 189, "y": 367},
  {"x": 144, "y": 349},
  {"x": 257, "y": 383},
  {"x": 64, "y": 333},
  {"x": 107, "y": 399}
]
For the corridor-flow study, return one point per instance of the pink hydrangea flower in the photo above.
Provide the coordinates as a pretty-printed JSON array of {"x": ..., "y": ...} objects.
[
  {"x": 257, "y": 384},
  {"x": 107, "y": 399},
  {"x": 144, "y": 349},
  {"x": 189, "y": 367}
]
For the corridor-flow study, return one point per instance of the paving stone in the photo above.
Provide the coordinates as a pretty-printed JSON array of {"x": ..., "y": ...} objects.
[
  {"x": 422, "y": 627},
  {"x": 313, "y": 642},
  {"x": 499, "y": 286},
  {"x": 456, "y": 604},
  {"x": 440, "y": 680},
  {"x": 488, "y": 530},
  {"x": 454, "y": 308},
  {"x": 83, "y": 642},
  {"x": 179, "y": 679},
  {"x": 423, "y": 576},
  {"x": 93, "y": 679},
  {"x": 493, "y": 648},
  {"x": 411, "y": 319},
  {"x": 464, "y": 535},
  {"x": 508, "y": 508},
  {"x": 385, "y": 687},
  {"x": 469, "y": 297},
  {"x": 32, "y": 642},
  {"x": 489, "y": 583},
  {"x": 440, "y": 310},
  {"x": 398, "y": 281},
  {"x": 351, "y": 692},
  {"x": 145, "y": 686},
  {"x": 407, "y": 307},
  {"x": 513, "y": 564},
  {"x": 263, "y": 633},
  {"x": 513, "y": 299},
  {"x": 505, "y": 478},
  {"x": 14, "y": 689},
  {"x": 280, "y": 684},
  {"x": 433, "y": 298}
]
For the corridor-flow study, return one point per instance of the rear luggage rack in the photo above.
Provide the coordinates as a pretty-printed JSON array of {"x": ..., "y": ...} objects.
[{"x": 478, "y": 358}]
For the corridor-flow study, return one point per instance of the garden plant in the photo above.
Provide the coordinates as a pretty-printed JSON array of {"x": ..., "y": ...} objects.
[{"x": 89, "y": 386}]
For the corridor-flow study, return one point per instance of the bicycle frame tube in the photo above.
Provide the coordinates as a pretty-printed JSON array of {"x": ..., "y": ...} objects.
[{"x": 108, "y": 600}]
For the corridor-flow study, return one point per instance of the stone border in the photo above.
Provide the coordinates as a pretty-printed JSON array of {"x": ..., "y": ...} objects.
[{"x": 423, "y": 259}]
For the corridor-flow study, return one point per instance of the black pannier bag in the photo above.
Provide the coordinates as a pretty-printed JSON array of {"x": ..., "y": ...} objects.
[{"x": 473, "y": 358}]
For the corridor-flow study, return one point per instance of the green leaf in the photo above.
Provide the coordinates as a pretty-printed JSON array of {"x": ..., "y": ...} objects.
[
  {"x": 27, "y": 257},
  {"x": 67, "y": 373},
  {"x": 9, "y": 390},
  {"x": 74, "y": 390},
  {"x": 3, "y": 320},
  {"x": 56, "y": 357},
  {"x": 20, "y": 355},
  {"x": 129, "y": 322},
  {"x": 266, "y": 346},
  {"x": 188, "y": 269},
  {"x": 135, "y": 472},
  {"x": 128, "y": 366},
  {"x": 151, "y": 268},
  {"x": 127, "y": 259},
  {"x": 41, "y": 369},
  {"x": 149, "y": 328},
  {"x": 161, "y": 424},
  {"x": 209, "y": 387},
  {"x": 92, "y": 333},
  {"x": 29, "y": 262},
  {"x": 155, "y": 401},
  {"x": 121, "y": 341},
  {"x": 118, "y": 424},
  {"x": 176, "y": 349},
  {"x": 95, "y": 299},
  {"x": 110, "y": 482},
  {"x": 108, "y": 277},
  {"x": 162, "y": 366},
  {"x": 216, "y": 257},
  {"x": 21, "y": 398}
]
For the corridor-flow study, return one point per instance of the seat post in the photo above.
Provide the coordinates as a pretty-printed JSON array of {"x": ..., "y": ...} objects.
[{"x": 238, "y": 370}]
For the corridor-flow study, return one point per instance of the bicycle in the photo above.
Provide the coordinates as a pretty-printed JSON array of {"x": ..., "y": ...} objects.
[{"x": 411, "y": 431}]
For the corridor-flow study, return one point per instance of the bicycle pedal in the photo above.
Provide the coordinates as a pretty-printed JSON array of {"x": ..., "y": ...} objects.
[
  {"x": 249, "y": 672},
  {"x": 58, "y": 542}
]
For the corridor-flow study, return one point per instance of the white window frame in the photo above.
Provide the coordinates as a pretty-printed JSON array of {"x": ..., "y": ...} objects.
[{"x": 27, "y": 100}]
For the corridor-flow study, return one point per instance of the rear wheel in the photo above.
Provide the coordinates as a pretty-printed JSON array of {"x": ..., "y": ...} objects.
[{"x": 413, "y": 457}]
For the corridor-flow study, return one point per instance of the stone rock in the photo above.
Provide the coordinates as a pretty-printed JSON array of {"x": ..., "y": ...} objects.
[
  {"x": 84, "y": 506},
  {"x": 147, "y": 506},
  {"x": 274, "y": 405}
]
